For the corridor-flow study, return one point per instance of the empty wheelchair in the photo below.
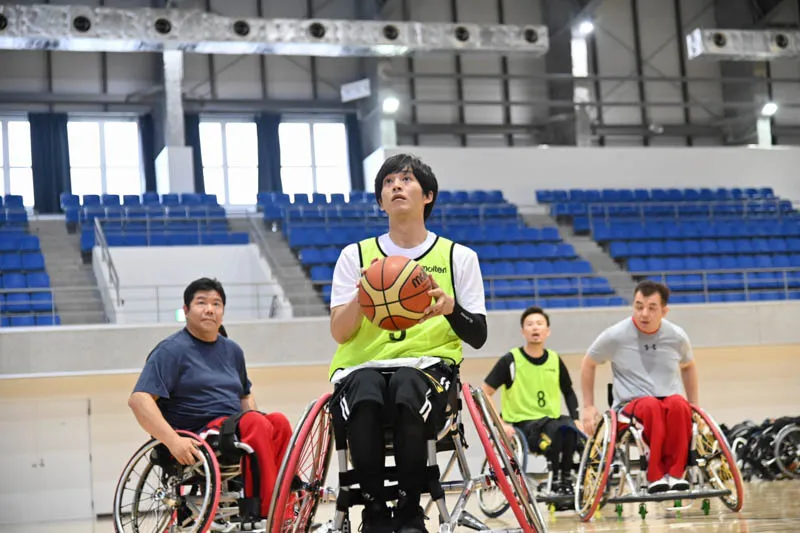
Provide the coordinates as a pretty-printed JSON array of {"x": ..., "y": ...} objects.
[
  {"x": 156, "y": 493},
  {"x": 301, "y": 481},
  {"x": 493, "y": 504},
  {"x": 613, "y": 468}
]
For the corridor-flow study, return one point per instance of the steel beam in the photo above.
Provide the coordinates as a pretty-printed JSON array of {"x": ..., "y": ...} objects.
[{"x": 100, "y": 29}]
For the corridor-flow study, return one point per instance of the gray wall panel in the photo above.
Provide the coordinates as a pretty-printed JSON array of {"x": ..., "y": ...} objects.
[
  {"x": 129, "y": 73},
  {"x": 237, "y": 76},
  {"x": 76, "y": 73},
  {"x": 23, "y": 71},
  {"x": 614, "y": 37},
  {"x": 333, "y": 72},
  {"x": 288, "y": 77},
  {"x": 660, "y": 54},
  {"x": 196, "y": 77}
]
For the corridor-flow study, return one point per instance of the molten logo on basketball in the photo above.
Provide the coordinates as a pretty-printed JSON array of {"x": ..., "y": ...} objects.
[{"x": 419, "y": 279}]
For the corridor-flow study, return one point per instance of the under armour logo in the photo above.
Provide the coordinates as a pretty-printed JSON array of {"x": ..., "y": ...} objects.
[{"x": 648, "y": 347}]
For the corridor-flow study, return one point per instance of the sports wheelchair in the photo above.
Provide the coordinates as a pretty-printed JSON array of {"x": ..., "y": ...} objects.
[
  {"x": 492, "y": 503},
  {"x": 156, "y": 493},
  {"x": 768, "y": 451},
  {"x": 610, "y": 472},
  {"x": 301, "y": 480}
]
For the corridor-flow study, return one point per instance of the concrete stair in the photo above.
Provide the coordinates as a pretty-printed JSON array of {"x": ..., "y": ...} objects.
[
  {"x": 75, "y": 293},
  {"x": 297, "y": 287},
  {"x": 619, "y": 279}
]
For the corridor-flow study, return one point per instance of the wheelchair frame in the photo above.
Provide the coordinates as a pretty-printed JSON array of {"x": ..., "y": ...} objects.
[
  {"x": 217, "y": 506},
  {"x": 553, "y": 501},
  {"x": 302, "y": 486},
  {"x": 606, "y": 469}
]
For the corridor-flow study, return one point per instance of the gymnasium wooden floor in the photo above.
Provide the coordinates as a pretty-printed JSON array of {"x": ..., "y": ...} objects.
[{"x": 735, "y": 384}]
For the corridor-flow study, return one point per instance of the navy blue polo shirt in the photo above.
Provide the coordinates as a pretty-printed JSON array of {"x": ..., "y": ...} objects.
[{"x": 196, "y": 381}]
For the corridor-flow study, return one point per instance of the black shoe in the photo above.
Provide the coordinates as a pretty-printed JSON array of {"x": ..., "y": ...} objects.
[
  {"x": 376, "y": 518},
  {"x": 409, "y": 519}
]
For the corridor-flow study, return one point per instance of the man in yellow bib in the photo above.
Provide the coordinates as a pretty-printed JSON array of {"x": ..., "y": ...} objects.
[
  {"x": 401, "y": 377},
  {"x": 534, "y": 378}
]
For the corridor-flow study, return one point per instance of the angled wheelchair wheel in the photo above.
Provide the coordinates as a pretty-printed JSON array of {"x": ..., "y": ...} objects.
[
  {"x": 504, "y": 467},
  {"x": 299, "y": 486},
  {"x": 491, "y": 500},
  {"x": 598, "y": 454},
  {"x": 787, "y": 450},
  {"x": 155, "y": 492},
  {"x": 715, "y": 458}
]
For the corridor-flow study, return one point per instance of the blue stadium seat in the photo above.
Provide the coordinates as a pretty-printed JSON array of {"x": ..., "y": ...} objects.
[
  {"x": 41, "y": 301},
  {"x": 48, "y": 320},
  {"x": 22, "y": 321},
  {"x": 32, "y": 262}
]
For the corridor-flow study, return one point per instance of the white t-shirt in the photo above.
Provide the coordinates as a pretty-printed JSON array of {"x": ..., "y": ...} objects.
[{"x": 466, "y": 272}]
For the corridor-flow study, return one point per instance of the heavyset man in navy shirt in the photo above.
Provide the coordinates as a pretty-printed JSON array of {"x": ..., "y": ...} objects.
[{"x": 195, "y": 379}]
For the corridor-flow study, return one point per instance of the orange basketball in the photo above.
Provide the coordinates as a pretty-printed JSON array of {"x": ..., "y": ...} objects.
[{"x": 393, "y": 293}]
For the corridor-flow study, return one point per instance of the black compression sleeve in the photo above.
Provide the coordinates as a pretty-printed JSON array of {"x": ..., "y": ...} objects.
[{"x": 470, "y": 327}]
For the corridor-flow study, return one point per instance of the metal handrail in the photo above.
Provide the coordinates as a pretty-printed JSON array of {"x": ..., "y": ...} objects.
[{"x": 100, "y": 240}]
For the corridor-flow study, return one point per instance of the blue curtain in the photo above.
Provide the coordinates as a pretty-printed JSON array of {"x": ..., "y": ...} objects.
[
  {"x": 269, "y": 152},
  {"x": 192, "y": 135},
  {"x": 355, "y": 153},
  {"x": 148, "y": 149},
  {"x": 50, "y": 160}
]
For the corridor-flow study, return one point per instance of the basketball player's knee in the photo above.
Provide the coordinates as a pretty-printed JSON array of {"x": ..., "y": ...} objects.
[
  {"x": 403, "y": 376},
  {"x": 370, "y": 382},
  {"x": 279, "y": 421}
]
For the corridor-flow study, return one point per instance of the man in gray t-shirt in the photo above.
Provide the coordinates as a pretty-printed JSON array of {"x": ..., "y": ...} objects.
[{"x": 651, "y": 362}]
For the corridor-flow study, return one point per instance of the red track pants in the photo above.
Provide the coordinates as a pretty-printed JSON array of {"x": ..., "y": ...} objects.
[
  {"x": 268, "y": 435},
  {"x": 667, "y": 430}
]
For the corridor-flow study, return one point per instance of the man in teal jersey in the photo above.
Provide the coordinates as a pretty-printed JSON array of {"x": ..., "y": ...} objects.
[
  {"x": 534, "y": 378},
  {"x": 401, "y": 377}
]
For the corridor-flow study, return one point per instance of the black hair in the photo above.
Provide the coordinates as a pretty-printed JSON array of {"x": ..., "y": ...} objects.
[
  {"x": 421, "y": 171},
  {"x": 202, "y": 284},
  {"x": 533, "y": 310},
  {"x": 649, "y": 287},
  {"x": 223, "y": 331}
]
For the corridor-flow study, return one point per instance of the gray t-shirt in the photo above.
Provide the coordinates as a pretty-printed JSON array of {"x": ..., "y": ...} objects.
[{"x": 643, "y": 364}]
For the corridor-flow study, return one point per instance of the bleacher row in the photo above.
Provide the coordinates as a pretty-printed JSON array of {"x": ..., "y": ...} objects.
[
  {"x": 25, "y": 295},
  {"x": 506, "y": 247},
  {"x": 593, "y": 196},
  {"x": 630, "y": 231},
  {"x": 736, "y": 251},
  {"x": 187, "y": 219},
  {"x": 362, "y": 205}
]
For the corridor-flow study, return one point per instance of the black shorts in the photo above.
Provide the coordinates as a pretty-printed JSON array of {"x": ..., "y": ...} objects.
[
  {"x": 424, "y": 392},
  {"x": 552, "y": 427}
]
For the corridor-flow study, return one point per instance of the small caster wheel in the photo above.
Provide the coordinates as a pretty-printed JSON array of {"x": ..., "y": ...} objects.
[
  {"x": 678, "y": 503},
  {"x": 642, "y": 510},
  {"x": 706, "y": 506},
  {"x": 618, "y": 510}
]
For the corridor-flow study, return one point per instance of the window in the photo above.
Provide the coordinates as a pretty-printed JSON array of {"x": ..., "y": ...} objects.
[
  {"x": 230, "y": 161},
  {"x": 16, "y": 176},
  {"x": 104, "y": 157},
  {"x": 314, "y": 158}
]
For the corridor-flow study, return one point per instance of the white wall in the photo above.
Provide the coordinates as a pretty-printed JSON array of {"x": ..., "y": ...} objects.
[
  {"x": 307, "y": 340},
  {"x": 519, "y": 172},
  {"x": 152, "y": 281}
]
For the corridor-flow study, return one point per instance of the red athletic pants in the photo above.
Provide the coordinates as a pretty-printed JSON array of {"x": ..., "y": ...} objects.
[
  {"x": 268, "y": 435},
  {"x": 667, "y": 430}
]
